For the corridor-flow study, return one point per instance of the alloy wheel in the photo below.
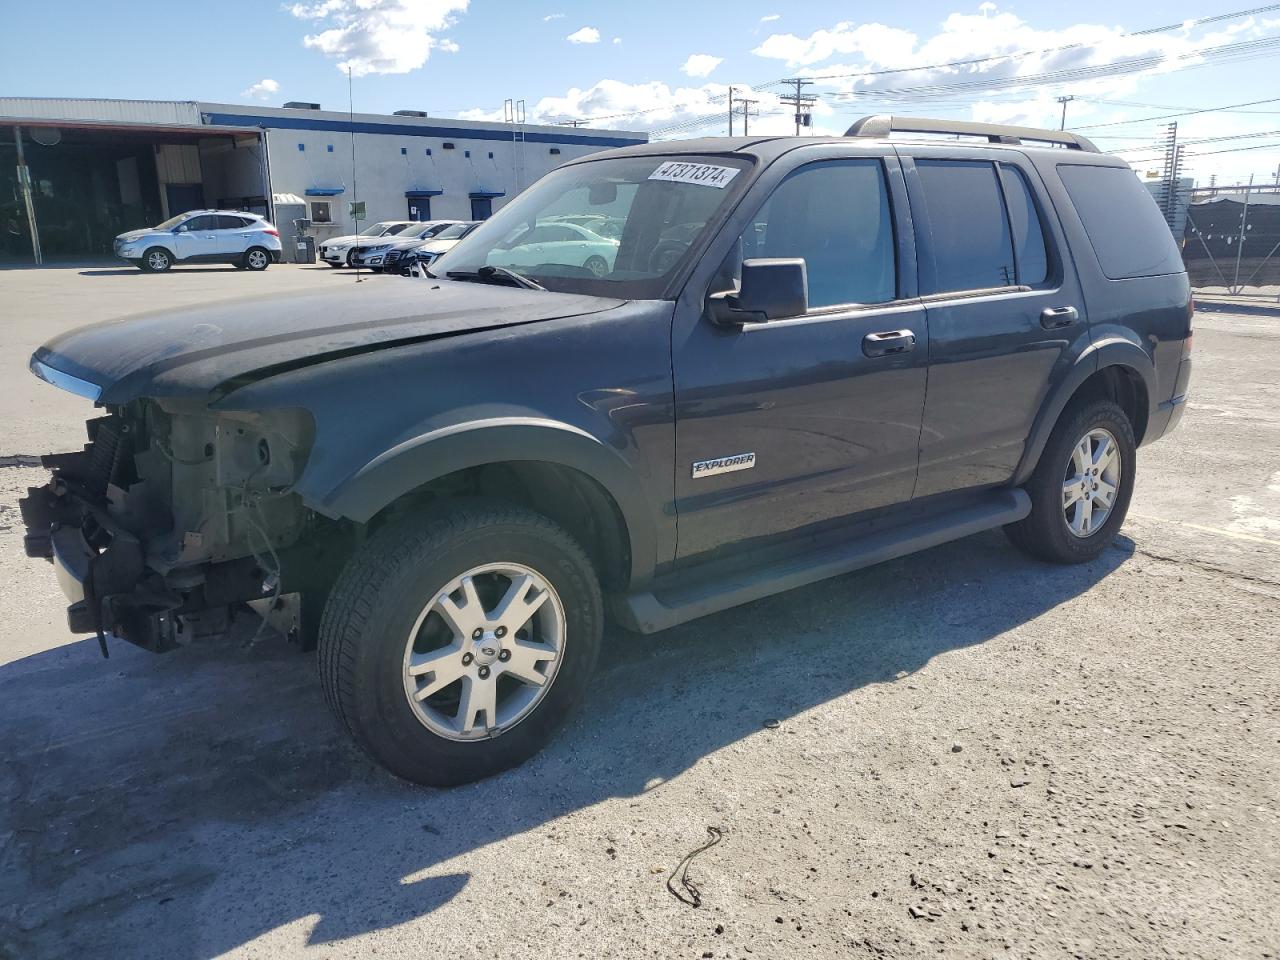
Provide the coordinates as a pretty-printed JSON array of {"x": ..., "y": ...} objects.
[
  {"x": 1091, "y": 482},
  {"x": 483, "y": 653}
]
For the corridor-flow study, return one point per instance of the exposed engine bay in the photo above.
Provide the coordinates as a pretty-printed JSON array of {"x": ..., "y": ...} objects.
[{"x": 173, "y": 518}]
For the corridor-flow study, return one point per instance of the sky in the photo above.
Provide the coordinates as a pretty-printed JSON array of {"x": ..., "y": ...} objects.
[{"x": 666, "y": 67}]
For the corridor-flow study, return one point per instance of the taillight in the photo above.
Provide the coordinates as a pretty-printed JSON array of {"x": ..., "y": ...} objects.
[{"x": 273, "y": 231}]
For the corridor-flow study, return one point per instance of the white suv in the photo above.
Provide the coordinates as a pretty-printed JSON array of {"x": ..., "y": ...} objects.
[{"x": 244, "y": 240}]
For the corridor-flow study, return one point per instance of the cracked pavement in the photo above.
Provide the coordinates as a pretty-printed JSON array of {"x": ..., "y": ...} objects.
[{"x": 975, "y": 755}]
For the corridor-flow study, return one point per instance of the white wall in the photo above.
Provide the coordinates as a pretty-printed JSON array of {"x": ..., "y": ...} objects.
[{"x": 387, "y": 166}]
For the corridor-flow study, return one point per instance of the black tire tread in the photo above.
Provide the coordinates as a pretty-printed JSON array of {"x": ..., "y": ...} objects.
[
  {"x": 348, "y": 609},
  {"x": 1033, "y": 535}
]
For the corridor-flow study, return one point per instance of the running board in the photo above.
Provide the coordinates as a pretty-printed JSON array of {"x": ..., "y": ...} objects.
[{"x": 675, "y": 602}]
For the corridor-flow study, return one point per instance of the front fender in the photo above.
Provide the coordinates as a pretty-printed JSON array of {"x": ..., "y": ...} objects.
[
  {"x": 429, "y": 456},
  {"x": 1108, "y": 349}
]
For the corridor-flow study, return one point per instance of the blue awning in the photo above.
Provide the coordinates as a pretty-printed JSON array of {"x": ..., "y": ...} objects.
[
  {"x": 324, "y": 191},
  {"x": 486, "y": 194},
  {"x": 410, "y": 194}
]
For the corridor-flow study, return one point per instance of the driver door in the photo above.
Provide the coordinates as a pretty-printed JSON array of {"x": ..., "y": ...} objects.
[
  {"x": 788, "y": 425},
  {"x": 198, "y": 240}
]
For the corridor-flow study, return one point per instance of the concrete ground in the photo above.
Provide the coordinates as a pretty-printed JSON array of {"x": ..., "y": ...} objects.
[{"x": 975, "y": 755}]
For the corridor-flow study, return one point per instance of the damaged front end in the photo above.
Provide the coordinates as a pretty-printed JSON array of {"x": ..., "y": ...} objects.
[{"x": 174, "y": 517}]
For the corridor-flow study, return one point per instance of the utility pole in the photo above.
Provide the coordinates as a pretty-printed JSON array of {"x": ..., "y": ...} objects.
[
  {"x": 802, "y": 102},
  {"x": 1170, "y": 175},
  {"x": 1064, "y": 101},
  {"x": 731, "y": 111},
  {"x": 746, "y": 113},
  {"x": 355, "y": 204}
]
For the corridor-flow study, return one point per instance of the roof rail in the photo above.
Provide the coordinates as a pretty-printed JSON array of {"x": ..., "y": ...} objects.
[{"x": 883, "y": 125}]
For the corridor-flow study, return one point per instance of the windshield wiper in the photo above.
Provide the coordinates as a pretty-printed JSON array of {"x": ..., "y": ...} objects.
[{"x": 488, "y": 273}]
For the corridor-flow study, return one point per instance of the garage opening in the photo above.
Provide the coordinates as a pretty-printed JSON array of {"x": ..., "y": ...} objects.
[{"x": 90, "y": 183}]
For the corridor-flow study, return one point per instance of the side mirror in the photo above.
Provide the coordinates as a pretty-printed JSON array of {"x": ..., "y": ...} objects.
[
  {"x": 180, "y": 228},
  {"x": 771, "y": 289}
]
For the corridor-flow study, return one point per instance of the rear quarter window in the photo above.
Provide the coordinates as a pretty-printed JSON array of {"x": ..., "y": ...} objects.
[{"x": 1126, "y": 230}]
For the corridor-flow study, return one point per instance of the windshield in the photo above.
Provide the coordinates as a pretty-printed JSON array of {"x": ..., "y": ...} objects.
[
  {"x": 615, "y": 227},
  {"x": 377, "y": 230},
  {"x": 172, "y": 222},
  {"x": 421, "y": 230},
  {"x": 454, "y": 232}
]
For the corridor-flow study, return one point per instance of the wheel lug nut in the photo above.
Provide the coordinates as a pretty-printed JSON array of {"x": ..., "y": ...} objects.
[
  {"x": 477, "y": 633},
  {"x": 504, "y": 656},
  {"x": 484, "y": 673},
  {"x": 466, "y": 659},
  {"x": 500, "y": 632}
]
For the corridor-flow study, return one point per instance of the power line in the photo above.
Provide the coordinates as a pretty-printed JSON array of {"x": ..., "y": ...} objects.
[
  {"x": 1167, "y": 116},
  {"x": 1032, "y": 53},
  {"x": 1119, "y": 67},
  {"x": 978, "y": 60}
]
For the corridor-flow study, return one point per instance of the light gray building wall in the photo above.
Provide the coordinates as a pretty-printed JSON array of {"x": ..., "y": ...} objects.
[
  {"x": 405, "y": 168},
  {"x": 82, "y": 170}
]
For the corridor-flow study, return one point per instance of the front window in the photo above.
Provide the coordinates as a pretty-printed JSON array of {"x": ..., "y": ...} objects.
[
  {"x": 377, "y": 230},
  {"x": 617, "y": 227}
]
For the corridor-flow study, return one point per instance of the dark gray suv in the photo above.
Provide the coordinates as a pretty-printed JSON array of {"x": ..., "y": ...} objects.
[{"x": 805, "y": 356}]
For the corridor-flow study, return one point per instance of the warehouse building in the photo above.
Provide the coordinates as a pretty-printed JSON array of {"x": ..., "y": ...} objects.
[{"x": 75, "y": 173}]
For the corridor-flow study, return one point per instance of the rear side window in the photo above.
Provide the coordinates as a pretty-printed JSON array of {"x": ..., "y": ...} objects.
[
  {"x": 1028, "y": 233},
  {"x": 1124, "y": 224},
  {"x": 836, "y": 216},
  {"x": 971, "y": 240}
]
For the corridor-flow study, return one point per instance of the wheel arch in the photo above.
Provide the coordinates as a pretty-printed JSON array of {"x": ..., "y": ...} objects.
[
  {"x": 1117, "y": 370},
  {"x": 557, "y": 469}
]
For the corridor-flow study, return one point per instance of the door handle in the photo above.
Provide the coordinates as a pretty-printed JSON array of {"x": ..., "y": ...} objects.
[
  {"x": 1055, "y": 317},
  {"x": 888, "y": 342}
]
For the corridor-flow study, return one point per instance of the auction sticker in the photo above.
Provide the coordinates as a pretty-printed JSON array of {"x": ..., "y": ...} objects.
[{"x": 703, "y": 174}]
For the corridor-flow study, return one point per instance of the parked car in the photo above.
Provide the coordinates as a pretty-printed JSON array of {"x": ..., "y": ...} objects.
[
  {"x": 247, "y": 241},
  {"x": 340, "y": 251},
  {"x": 414, "y": 261},
  {"x": 558, "y": 242},
  {"x": 467, "y": 475},
  {"x": 374, "y": 257}
]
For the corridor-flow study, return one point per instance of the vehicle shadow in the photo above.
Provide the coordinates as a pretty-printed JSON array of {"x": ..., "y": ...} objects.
[
  {"x": 182, "y": 806},
  {"x": 128, "y": 271}
]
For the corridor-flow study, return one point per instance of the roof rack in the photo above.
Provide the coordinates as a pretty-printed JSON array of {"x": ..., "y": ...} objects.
[{"x": 883, "y": 125}]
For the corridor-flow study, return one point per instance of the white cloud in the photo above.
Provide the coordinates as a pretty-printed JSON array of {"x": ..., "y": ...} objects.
[
  {"x": 262, "y": 90},
  {"x": 701, "y": 65},
  {"x": 585, "y": 35},
  {"x": 617, "y": 39},
  {"x": 379, "y": 36},
  {"x": 771, "y": 17},
  {"x": 552, "y": 16}
]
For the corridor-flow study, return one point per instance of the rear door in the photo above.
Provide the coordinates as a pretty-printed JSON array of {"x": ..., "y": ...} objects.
[
  {"x": 1005, "y": 310},
  {"x": 235, "y": 235},
  {"x": 799, "y": 422}
]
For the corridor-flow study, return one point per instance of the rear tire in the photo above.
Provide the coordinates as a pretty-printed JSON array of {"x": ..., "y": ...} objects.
[
  {"x": 410, "y": 654},
  {"x": 1081, "y": 488},
  {"x": 256, "y": 259},
  {"x": 156, "y": 260}
]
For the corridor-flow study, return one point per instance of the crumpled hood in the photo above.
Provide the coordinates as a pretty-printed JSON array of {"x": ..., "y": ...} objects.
[{"x": 209, "y": 350}]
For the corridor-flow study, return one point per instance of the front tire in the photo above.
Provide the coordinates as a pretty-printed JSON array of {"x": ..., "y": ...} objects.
[
  {"x": 156, "y": 260},
  {"x": 1081, "y": 488},
  {"x": 455, "y": 643}
]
